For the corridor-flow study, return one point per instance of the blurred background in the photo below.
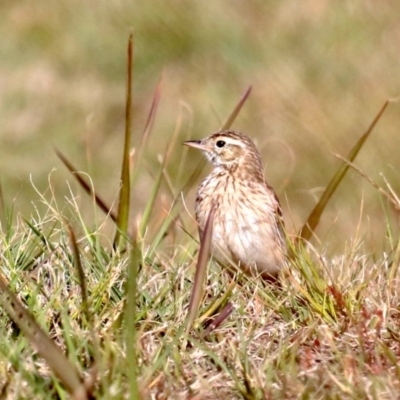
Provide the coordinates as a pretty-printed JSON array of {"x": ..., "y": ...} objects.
[{"x": 320, "y": 72}]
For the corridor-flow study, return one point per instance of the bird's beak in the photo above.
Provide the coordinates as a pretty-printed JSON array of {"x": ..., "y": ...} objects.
[{"x": 195, "y": 143}]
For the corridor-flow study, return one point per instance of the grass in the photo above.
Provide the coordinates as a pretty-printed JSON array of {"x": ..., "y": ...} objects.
[
  {"x": 329, "y": 331},
  {"x": 101, "y": 320}
]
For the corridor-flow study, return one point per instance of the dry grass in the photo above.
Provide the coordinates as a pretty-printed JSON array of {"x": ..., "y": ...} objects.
[{"x": 329, "y": 331}]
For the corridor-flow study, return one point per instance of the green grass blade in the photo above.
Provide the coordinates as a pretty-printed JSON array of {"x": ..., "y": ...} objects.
[
  {"x": 40, "y": 235},
  {"x": 389, "y": 196},
  {"x": 220, "y": 303},
  {"x": 152, "y": 114},
  {"x": 161, "y": 174},
  {"x": 125, "y": 181},
  {"x": 130, "y": 318},
  {"x": 81, "y": 275},
  {"x": 201, "y": 269},
  {"x": 229, "y": 121},
  {"x": 85, "y": 307},
  {"x": 150, "y": 202},
  {"x": 146, "y": 132},
  {"x": 168, "y": 221},
  {"x": 315, "y": 215},
  {"x": 47, "y": 349},
  {"x": 88, "y": 188}
]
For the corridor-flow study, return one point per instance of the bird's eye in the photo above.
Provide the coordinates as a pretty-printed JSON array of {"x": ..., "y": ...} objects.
[{"x": 220, "y": 143}]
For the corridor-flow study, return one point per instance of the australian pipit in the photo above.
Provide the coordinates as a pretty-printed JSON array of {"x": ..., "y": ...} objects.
[{"x": 248, "y": 223}]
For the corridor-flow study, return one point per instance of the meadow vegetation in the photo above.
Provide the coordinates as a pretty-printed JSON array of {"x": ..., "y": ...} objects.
[{"x": 114, "y": 314}]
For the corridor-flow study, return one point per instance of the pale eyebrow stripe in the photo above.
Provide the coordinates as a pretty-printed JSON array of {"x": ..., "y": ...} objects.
[
  {"x": 229, "y": 138},
  {"x": 236, "y": 142}
]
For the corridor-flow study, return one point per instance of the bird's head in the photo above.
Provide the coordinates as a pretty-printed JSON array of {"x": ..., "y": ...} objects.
[{"x": 227, "y": 149}]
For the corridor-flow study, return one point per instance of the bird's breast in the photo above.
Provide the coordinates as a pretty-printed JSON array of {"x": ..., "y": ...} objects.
[{"x": 240, "y": 207}]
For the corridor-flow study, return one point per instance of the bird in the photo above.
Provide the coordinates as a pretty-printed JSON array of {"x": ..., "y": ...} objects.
[{"x": 248, "y": 226}]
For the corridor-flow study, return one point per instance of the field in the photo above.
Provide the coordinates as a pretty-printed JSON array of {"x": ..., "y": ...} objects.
[{"x": 319, "y": 73}]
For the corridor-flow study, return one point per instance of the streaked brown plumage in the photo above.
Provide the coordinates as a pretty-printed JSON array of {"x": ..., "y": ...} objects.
[{"x": 248, "y": 224}]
